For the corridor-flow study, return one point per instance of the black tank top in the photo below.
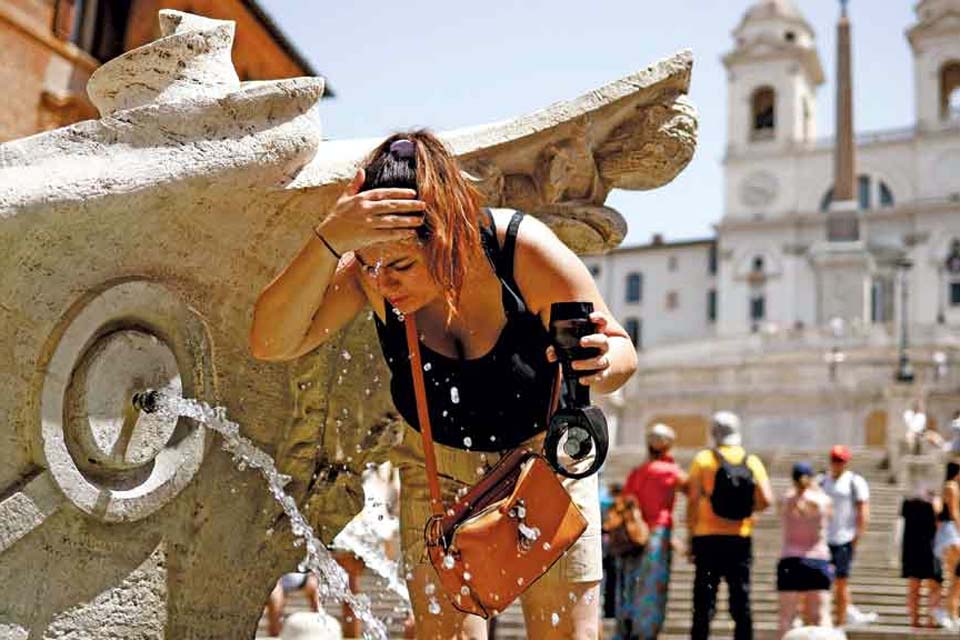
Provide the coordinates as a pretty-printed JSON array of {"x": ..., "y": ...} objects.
[{"x": 490, "y": 403}]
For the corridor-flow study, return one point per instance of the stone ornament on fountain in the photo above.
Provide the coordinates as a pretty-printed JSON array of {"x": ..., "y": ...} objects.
[{"x": 132, "y": 250}]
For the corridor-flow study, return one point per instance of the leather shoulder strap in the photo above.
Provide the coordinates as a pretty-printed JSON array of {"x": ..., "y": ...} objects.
[{"x": 423, "y": 415}]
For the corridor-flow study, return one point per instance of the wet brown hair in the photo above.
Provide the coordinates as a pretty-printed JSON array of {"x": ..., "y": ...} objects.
[{"x": 451, "y": 229}]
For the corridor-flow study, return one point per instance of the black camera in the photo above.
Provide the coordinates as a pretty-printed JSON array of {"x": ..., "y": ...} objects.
[{"x": 577, "y": 440}]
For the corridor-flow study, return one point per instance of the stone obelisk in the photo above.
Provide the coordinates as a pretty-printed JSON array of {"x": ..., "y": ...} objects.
[{"x": 842, "y": 263}]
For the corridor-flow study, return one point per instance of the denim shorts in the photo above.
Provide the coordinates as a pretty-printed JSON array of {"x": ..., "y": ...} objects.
[
  {"x": 459, "y": 469},
  {"x": 841, "y": 556}
]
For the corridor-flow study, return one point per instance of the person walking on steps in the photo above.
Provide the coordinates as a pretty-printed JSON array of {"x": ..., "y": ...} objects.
[
  {"x": 851, "y": 515},
  {"x": 804, "y": 573},
  {"x": 727, "y": 486}
]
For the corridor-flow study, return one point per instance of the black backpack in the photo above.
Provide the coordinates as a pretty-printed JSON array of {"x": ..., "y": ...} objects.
[{"x": 733, "y": 489}]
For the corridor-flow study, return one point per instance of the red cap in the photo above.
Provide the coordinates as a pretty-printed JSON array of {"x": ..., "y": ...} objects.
[{"x": 840, "y": 453}]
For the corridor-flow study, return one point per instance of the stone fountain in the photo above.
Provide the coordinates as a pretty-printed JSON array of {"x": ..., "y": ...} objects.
[{"x": 132, "y": 249}]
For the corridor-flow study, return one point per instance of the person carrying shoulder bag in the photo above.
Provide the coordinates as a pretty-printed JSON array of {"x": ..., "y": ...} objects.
[
  {"x": 644, "y": 576},
  {"x": 466, "y": 293}
]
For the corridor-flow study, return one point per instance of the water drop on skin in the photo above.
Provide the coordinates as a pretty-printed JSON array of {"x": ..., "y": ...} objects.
[
  {"x": 427, "y": 367},
  {"x": 448, "y": 562},
  {"x": 430, "y": 589},
  {"x": 454, "y": 395},
  {"x": 468, "y": 442},
  {"x": 434, "y": 608},
  {"x": 467, "y": 576},
  {"x": 345, "y": 355},
  {"x": 554, "y": 618}
]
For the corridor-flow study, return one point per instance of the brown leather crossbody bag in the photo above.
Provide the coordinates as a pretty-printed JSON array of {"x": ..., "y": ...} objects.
[{"x": 494, "y": 542}]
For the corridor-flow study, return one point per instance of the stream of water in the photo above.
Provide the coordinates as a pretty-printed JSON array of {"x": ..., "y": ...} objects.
[{"x": 334, "y": 585}]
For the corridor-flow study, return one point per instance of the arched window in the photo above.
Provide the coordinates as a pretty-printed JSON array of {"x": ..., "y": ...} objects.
[
  {"x": 950, "y": 90},
  {"x": 869, "y": 190},
  {"x": 763, "y": 114}
]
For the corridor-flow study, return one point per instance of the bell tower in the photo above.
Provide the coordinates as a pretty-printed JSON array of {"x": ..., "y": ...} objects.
[
  {"x": 772, "y": 75},
  {"x": 935, "y": 41}
]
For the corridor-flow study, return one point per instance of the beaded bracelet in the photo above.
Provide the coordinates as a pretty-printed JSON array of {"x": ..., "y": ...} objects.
[{"x": 317, "y": 233}]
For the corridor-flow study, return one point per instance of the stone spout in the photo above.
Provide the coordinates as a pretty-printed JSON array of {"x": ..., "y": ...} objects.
[{"x": 132, "y": 250}]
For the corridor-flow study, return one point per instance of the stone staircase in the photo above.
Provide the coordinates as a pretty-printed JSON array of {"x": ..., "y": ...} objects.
[{"x": 876, "y": 584}]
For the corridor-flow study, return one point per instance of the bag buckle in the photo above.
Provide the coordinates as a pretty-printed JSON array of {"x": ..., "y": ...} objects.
[
  {"x": 526, "y": 535},
  {"x": 434, "y": 532}
]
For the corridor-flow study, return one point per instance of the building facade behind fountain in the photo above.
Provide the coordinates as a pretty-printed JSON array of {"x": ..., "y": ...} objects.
[{"x": 758, "y": 334}]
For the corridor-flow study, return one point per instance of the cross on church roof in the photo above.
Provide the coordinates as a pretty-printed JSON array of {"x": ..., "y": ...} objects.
[{"x": 843, "y": 7}]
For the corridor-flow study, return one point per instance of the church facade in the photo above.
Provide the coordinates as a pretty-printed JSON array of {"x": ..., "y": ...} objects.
[{"x": 829, "y": 255}]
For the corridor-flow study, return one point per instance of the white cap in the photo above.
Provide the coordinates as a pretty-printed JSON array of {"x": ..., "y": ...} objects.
[
  {"x": 725, "y": 428},
  {"x": 660, "y": 436}
]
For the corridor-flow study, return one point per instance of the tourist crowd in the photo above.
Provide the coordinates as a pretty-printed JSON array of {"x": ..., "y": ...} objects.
[{"x": 823, "y": 517}]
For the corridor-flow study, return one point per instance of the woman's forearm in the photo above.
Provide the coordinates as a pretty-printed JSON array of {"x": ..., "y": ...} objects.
[
  {"x": 623, "y": 364},
  {"x": 285, "y": 308}
]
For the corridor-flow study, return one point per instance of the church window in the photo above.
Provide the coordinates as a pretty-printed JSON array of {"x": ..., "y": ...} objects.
[
  {"x": 952, "y": 267},
  {"x": 863, "y": 192},
  {"x": 955, "y": 294},
  {"x": 757, "y": 265},
  {"x": 827, "y": 200},
  {"x": 881, "y": 300},
  {"x": 763, "y": 114},
  {"x": 672, "y": 263},
  {"x": 712, "y": 306},
  {"x": 712, "y": 259},
  {"x": 634, "y": 287},
  {"x": 790, "y": 36},
  {"x": 633, "y": 327},
  {"x": 886, "y": 196},
  {"x": 950, "y": 91},
  {"x": 758, "y": 309}
]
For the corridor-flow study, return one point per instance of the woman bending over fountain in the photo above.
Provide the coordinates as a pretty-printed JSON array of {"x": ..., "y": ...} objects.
[{"x": 409, "y": 237}]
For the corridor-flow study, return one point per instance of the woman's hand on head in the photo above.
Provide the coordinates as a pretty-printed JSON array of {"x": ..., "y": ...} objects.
[
  {"x": 599, "y": 364},
  {"x": 359, "y": 218}
]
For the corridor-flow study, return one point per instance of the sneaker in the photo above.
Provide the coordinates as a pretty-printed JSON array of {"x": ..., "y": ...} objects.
[
  {"x": 942, "y": 620},
  {"x": 857, "y": 617}
]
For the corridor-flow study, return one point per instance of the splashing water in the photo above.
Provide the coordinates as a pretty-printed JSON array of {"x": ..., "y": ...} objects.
[
  {"x": 334, "y": 586},
  {"x": 360, "y": 537}
]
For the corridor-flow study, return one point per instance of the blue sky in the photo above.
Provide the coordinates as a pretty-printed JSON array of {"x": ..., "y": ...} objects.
[{"x": 448, "y": 64}]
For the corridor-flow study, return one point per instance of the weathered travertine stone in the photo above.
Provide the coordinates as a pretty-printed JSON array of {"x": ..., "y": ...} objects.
[{"x": 132, "y": 249}]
